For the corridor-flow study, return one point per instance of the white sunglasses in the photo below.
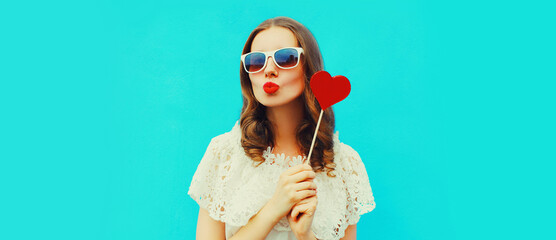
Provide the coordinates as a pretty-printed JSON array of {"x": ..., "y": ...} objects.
[{"x": 284, "y": 58}]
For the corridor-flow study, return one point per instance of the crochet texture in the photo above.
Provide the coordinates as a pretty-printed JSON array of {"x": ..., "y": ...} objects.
[{"x": 232, "y": 188}]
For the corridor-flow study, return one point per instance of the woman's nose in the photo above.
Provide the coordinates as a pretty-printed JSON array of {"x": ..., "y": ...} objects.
[{"x": 271, "y": 69}]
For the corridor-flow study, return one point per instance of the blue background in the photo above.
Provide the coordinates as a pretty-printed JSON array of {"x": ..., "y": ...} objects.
[{"x": 108, "y": 106}]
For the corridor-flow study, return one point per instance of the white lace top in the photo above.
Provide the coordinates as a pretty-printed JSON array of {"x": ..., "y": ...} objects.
[{"x": 232, "y": 189}]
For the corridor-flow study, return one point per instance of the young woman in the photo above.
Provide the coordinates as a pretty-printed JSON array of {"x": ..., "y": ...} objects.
[{"x": 252, "y": 183}]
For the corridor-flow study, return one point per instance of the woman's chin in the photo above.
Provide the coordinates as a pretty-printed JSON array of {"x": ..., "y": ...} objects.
[{"x": 276, "y": 99}]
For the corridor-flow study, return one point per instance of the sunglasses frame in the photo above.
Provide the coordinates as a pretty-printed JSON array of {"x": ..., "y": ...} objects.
[{"x": 271, "y": 54}]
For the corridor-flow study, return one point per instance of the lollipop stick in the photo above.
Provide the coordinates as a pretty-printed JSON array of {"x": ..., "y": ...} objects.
[{"x": 314, "y": 137}]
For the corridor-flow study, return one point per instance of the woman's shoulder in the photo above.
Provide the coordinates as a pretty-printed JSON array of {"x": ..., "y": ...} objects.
[
  {"x": 227, "y": 139},
  {"x": 346, "y": 196},
  {"x": 343, "y": 151}
]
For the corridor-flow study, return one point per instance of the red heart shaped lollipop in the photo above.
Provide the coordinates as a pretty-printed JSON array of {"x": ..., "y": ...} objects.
[{"x": 329, "y": 90}]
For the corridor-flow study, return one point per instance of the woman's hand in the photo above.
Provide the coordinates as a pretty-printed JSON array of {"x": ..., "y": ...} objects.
[
  {"x": 301, "y": 218},
  {"x": 294, "y": 185}
]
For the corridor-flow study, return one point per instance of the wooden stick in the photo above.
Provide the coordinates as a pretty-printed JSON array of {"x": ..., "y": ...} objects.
[{"x": 314, "y": 137}]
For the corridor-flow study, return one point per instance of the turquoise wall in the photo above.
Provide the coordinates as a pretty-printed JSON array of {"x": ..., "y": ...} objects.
[{"x": 108, "y": 106}]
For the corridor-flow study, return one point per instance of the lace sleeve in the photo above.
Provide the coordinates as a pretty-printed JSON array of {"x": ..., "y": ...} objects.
[
  {"x": 342, "y": 199},
  {"x": 207, "y": 184},
  {"x": 360, "y": 199}
]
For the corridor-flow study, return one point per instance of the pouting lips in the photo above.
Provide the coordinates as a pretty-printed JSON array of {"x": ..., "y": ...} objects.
[{"x": 270, "y": 87}]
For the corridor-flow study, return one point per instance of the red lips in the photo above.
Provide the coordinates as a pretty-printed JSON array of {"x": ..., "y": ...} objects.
[{"x": 270, "y": 87}]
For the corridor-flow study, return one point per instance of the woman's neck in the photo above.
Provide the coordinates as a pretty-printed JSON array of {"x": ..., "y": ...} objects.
[{"x": 285, "y": 119}]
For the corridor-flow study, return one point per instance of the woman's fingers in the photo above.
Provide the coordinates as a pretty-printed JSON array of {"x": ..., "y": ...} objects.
[
  {"x": 307, "y": 185},
  {"x": 307, "y": 206},
  {"x": 300, "y": 195},
  {"x": 302, "y": 176},
  {"x": 298, "y": 168},
  {"x": 304, "y": 201},
  {"x": 299, "y": 209},
  {"x": 295, "y": 212}
]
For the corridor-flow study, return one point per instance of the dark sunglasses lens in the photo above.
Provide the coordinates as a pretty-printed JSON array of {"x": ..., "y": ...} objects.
[
  {"x": 287, "y": 57},
  {"x": 254, "y": 62}
]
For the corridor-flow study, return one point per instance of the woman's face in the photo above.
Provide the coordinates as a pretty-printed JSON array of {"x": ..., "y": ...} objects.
[{"x": 290, "y": 81}]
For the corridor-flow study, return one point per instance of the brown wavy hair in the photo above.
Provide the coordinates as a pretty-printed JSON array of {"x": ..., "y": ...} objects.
[{"x": 257, "y": 133}]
